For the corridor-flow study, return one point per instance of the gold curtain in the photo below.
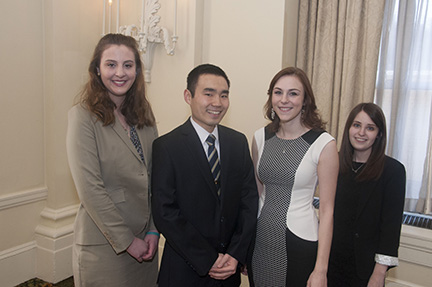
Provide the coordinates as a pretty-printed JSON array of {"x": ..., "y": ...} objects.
[{"x": 338, "y": 47}]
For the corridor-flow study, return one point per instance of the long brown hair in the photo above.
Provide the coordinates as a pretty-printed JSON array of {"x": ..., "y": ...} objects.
[
  {"x": 374, "y": 166},
  {"x": 310, "y": 117},
  {"x": 94, "y": 95}
]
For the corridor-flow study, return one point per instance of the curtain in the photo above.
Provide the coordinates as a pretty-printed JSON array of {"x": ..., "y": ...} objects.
[
  {"x": 404, "y": 91},
  {"x": 338, "y": 46}
]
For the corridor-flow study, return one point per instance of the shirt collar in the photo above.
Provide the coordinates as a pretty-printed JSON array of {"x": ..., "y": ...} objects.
[{"x": 202, "y": 133}]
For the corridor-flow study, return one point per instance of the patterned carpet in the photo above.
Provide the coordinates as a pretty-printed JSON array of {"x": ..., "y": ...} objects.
[{"x": 36, "y": 282}]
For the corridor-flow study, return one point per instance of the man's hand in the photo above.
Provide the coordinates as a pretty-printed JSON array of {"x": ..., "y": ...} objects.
[{"x": 224, "y": 266}]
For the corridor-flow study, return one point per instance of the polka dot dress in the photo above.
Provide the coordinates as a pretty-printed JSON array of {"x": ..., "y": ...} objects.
[{"x": 277, "y": 169}]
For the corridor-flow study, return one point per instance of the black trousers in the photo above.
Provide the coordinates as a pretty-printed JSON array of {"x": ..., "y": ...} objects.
[{"x": 301, "y": 255}]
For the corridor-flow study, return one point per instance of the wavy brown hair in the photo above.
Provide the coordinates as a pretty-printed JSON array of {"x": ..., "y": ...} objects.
[
  {"x": 310, "y": 117},
  {"x": 94, "y": 95},
  {"x": 374, "y": 166}
]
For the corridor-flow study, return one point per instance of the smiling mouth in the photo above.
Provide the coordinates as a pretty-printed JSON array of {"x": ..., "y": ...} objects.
[
  {"x": 285, "y": 109},
  {"x": 214, "y": 112},
  {"x": 361, "y": 139},
  {"x": 119, "y": 83}
]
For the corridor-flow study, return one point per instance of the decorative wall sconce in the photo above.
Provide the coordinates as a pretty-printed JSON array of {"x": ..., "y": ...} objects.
[{"x": 148, "y": 34}]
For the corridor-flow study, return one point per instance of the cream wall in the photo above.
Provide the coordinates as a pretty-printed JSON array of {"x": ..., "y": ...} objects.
[
  {"x": 45, "y": 51},
  {"x": 22, "y": 127},
  {"x": 238, "y": 37},
  {"x": 22, "y": 118},
  {"x": 46, "y": 46}
]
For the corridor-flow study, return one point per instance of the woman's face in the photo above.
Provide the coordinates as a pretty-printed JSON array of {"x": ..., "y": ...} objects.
[
  {"x": 288, "y": 98},
  {"x": 117, "y": 71},
  {"x": 363, "y": 133}
]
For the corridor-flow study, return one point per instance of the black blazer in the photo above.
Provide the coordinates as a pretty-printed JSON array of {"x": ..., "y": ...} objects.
[
  {"x": 196, "y": 222},
  {"x": 377, "y": 220}
]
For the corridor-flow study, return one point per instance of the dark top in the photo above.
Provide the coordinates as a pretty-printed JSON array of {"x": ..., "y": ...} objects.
[{"x": 368, "y": 217}]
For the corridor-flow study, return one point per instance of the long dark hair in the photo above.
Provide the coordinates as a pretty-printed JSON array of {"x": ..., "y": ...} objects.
[
  {"x": 94, "y": 96},
  {"x": 374, "y": 166},
  {"x": 310, "y": 117}
]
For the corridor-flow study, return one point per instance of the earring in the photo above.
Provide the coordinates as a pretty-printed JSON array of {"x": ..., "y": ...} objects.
[{"x": 272, "y": 114}]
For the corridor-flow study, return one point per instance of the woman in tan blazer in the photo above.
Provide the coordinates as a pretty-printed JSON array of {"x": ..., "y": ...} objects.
[{"x": 109, "y": 139}]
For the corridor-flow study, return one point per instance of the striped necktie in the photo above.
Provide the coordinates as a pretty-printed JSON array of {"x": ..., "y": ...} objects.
[{"x": 214, "y": 160}]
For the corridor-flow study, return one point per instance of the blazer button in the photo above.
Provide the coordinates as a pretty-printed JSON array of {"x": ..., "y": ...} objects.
[
  {"x": 356, "y": 235},
  {"x": 222, "y": 219}
]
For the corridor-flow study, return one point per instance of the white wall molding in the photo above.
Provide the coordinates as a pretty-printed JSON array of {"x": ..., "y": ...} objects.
[
  {"x": 49, "y": 256},
  {"x": 415, "y": 259},
  {"x": 54, "y": 253},
  {"x": 391, "y": 282},
  {"x": 54, "y": 240},
  {"x": 59, "y": 214},
  {"x": 416, "y": 246},
  {"x": 11, "y": 252},
  {"x": 56, "y": 216},
  {"x": 24, "y": 197},
  {"x": 18, "y": 264},
  {"x": 54, "y": 233}
]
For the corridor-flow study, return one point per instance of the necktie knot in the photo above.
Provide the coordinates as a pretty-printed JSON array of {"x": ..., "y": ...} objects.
[{"x": 211, "y": 139}]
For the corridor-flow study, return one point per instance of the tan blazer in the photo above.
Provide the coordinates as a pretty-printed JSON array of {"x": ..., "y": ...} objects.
[{"x": 111, "y": 180}]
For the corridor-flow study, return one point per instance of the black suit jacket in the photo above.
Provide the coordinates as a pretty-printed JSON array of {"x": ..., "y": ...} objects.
[
  {"x": 196, "y": 222},
  {"x": 377, "y": 216}
]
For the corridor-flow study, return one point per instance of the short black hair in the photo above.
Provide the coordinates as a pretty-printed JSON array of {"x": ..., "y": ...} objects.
[{"x": 193, "y": 76}]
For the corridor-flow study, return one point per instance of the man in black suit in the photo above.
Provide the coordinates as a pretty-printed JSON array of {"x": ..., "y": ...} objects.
[{"x": 208, "y": 219}]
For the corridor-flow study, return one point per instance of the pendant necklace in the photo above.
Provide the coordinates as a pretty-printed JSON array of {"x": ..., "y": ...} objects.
[{"x": 357, "y": 169}]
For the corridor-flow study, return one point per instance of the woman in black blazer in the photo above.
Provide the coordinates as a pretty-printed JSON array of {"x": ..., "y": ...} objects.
[{"x": 369, "y": 203}]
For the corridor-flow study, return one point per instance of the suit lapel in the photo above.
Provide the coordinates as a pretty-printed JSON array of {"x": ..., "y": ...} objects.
[
  {"x": 118, "y": 129},
  {"x": 193, "y": 144},
  {"x": 225, "y": 152}
]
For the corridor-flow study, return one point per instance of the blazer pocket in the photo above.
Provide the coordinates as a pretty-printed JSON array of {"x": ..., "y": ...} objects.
[{"x": 117, "y": 195}]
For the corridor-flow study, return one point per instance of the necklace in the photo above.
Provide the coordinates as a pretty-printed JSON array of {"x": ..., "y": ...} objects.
[{"x": 355, "y": 170}]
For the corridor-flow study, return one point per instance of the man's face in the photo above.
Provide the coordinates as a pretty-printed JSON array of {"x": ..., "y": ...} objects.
[{"x": 210, "y": 101}]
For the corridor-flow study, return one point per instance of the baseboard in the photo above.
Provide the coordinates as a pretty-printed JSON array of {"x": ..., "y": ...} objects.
[
  {"x": 54, "y": 257},
  {"x": 416, "y": 246},
  {"x": 18, "y": 264},
  {"x": 54, "y": 252},
  {"x": 46, "y": 258},
  {"x": 392, "y": 282},
  {"x": 49, "y": 256}
]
